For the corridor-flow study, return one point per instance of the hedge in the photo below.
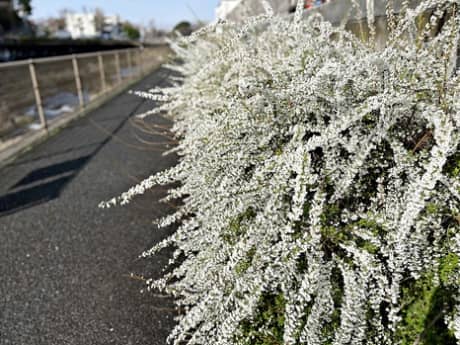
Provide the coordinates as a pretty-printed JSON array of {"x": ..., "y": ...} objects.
[{"x": 320, "y": 179}]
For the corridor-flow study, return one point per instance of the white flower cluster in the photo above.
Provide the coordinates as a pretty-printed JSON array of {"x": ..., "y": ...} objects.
[{"x": 320, "y": 182}]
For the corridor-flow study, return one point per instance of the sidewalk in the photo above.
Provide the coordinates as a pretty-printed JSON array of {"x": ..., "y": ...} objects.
[{"x": 66, "y": 263}]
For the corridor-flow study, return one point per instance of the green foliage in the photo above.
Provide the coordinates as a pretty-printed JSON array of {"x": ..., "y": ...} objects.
[
  {"x": 131, "y": 31},
  {"x": 372, "y": 225},
  {"x": 418, "y": 296},
  {"x": 426, "y": 303},
  {"x": 337, "y": 295},
  {"x": 25, "y": 6},
  {"x": 184, "y": 28},
  {"x": 432, "y": 208},
  {"x": 267, "y": 327},
  {"x": 244, "y": 264},
  {"x": 278, "y": 151},
  {"x": 236, "y": 226},
  {"x": 369, "y": 247},
  {"x": 8, "y": 20},
  {"x": 449, "y": 264},
  {"x": 452, "y": 167},
  {"x": 334, "y": 234},
  {"x": 334, "y": 147},
  {"x": 331, "y": 214}
]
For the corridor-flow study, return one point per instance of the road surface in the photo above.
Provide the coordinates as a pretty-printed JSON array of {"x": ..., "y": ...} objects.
[{"x": 65, "y": 264}]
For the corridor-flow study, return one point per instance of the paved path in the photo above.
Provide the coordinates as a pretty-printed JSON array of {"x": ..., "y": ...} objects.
[{"x": 65, "y": 264}]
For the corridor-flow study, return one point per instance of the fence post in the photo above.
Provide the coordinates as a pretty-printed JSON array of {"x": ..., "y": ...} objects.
[
  {"x": 117, "y": 63},
  {"x": 38, "y": 98},
  {"x": 76, "y": 73},
  {"x": 130, "y": 65},
  {"x": 101, "y": 72},
  {"x": 141, "y": 61}
]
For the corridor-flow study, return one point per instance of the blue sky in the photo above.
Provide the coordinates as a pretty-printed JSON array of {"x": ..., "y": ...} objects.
[{"x": 165, "y": 13}]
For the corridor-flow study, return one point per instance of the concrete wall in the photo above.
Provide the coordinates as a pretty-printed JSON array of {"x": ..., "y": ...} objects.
[
  {"x": 339, "y": 11},
  {"x": 226, "y": 7},
  {"x": 334, "y": 11},
  {"x": 248, "y": 8}
]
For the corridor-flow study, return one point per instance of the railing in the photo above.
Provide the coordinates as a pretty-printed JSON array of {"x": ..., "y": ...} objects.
[{"x": 34, "y": 93}]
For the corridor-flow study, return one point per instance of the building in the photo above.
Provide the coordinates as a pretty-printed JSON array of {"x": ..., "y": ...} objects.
[
  {"x": 81, "y": 25},
  {"x": 93, "y": 25},
  {"x": 52, "y": 27},
  {"x": 112, "y": 28}
]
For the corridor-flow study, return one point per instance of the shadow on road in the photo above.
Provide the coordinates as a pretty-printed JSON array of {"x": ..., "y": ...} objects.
[
  {"x": 52, "y": 171},
  {"x": 23, "y": 199},
  {"x": 47, "y": 183},
  {"x": 43, "y": 185},
  {"x": 21, "y": 162}
]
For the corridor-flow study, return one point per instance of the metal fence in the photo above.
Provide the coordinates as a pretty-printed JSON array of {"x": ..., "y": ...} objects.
[{"x": 34, "y": 93}]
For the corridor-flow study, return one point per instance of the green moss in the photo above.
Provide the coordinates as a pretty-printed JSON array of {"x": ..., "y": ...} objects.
[
  {"x": 418, "y": 296},
  {"x": 423, "y": 322},
  {"x": 426, "y": 304},
  {"x": 268, "y": 326}
]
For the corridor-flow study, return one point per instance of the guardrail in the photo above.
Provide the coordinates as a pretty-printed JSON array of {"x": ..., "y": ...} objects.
[{"x": 36, "y": 92}]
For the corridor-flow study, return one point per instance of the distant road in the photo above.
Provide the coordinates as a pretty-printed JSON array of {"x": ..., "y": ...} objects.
[{"x": 65, "y": 263}]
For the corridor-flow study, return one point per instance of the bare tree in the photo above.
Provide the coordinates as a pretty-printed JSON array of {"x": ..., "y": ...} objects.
[{"x": 99, "y": 19}]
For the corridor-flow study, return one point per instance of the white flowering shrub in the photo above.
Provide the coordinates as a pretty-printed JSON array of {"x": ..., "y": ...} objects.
[{"x": 320, "y": 182}]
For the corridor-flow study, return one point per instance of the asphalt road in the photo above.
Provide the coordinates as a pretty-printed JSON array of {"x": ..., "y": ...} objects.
[{"x": 65, "y": 264}]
